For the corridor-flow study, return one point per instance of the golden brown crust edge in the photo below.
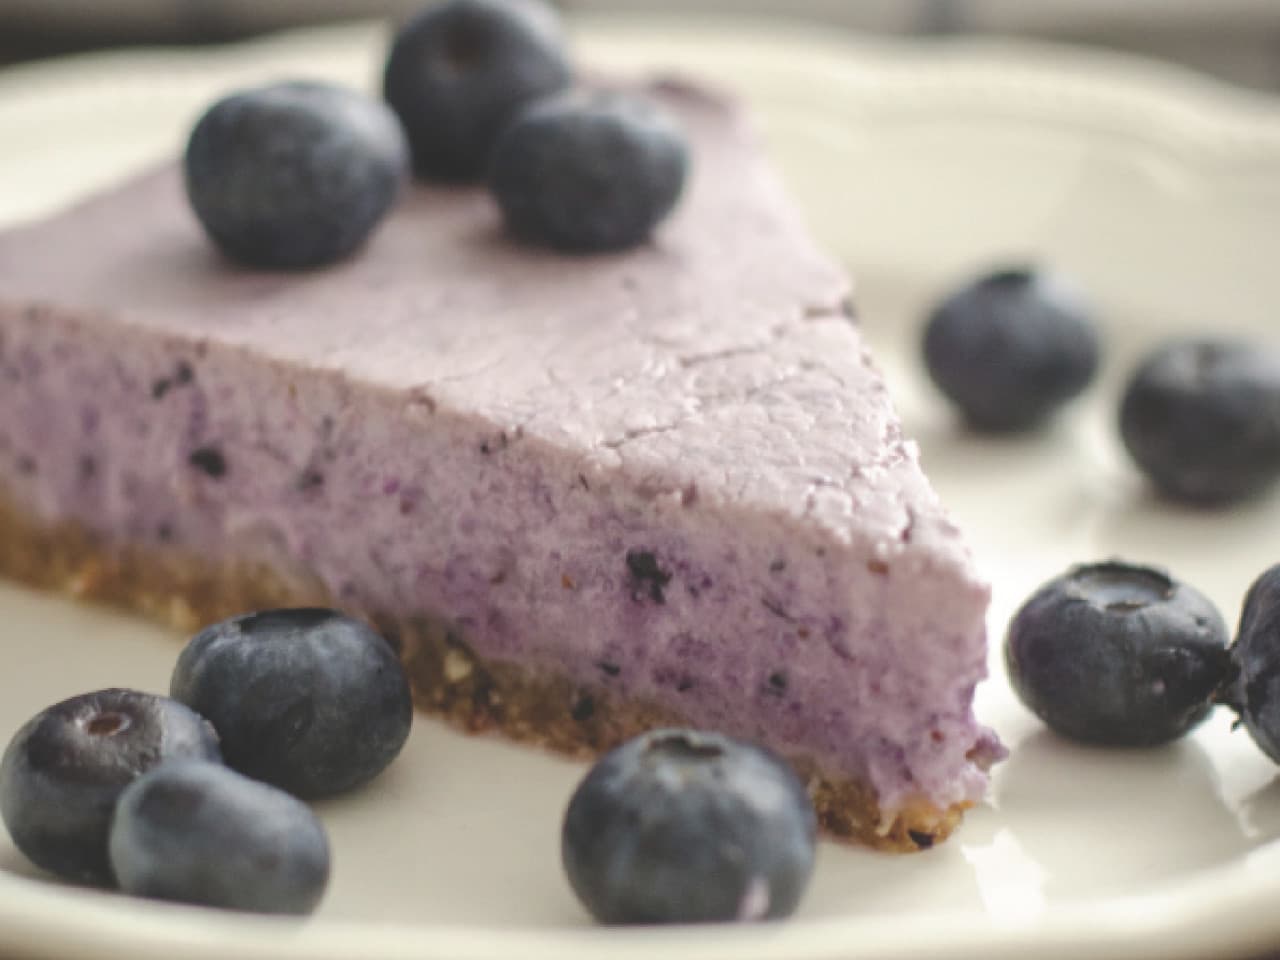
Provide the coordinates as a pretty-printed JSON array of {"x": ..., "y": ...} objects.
[{"x": 450, "y": 680}]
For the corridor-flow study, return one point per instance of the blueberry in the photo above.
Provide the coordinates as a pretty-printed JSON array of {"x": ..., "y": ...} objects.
[
  {"x": 308, "y": 700},
  {"x": 460, "y": 70},
  {"x": 200, "y": 833},
  {"x": 1116, "y": 654},
  {"x": 294, "y": 175},
  {"x": 681, "y": 826},
  {"x": 589, "y": 172},
  {"x": 1010, "y": 348},
  {"x": 1254, "y": 687},
  {"x": 63, "y": 771},
  {"x": 1202, "y": 419}
]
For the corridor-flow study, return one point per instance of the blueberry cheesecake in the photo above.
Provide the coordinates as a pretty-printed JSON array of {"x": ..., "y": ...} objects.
[{"x": 586, "y": 491}]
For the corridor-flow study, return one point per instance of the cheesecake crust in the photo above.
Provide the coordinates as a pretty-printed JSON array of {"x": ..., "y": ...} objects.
[{"x": 187, "y": 592}]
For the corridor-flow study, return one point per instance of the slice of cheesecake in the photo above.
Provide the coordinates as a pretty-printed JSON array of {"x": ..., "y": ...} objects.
[{"x": 585, "y": 496}]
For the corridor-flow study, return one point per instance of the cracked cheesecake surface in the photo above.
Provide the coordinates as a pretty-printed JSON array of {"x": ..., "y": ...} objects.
[{"x": 660, "y": 486}]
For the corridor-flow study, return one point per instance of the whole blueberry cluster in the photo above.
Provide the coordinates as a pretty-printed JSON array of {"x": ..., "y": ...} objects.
[
  {"x": 298, "y": 174},
  {"x": 1199, "y": 417},
  {"x": 184, "y": 797}
]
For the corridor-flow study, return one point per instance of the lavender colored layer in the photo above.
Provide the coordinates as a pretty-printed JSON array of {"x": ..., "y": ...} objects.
[{"x": 674, "y": 473}]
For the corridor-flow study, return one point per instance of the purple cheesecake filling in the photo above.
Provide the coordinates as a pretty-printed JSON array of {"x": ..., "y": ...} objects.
[{"x": 672, "y": 474}]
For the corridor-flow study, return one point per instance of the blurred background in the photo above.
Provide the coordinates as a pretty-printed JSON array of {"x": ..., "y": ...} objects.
[{"x": 1237, "y": 40}]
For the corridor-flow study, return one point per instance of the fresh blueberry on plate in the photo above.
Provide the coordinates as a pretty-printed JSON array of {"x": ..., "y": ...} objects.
[
  {"x": 681, "y": 826},
  {"x": 1010, "y": 348},
  {"x": 1117, "y": 654},
  {"x": 201, "y": 833},
  {"x": 589, "y": 172},
  {"x": 294, "y": 175},
  {"x": 308, "y": 700},
  {"x": 1254, "y": 688},
  {"x": 64, "y": 770},
  {"x": 1201, "y": 418},
  {"x": 459, "y": 71}
]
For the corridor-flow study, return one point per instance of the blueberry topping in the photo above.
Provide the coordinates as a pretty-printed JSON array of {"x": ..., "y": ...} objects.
[
  {"x": 64, "y": 770},
  {"x": 459, "y": 71},
  {"x": 200, "y": 833},
  {"x": 589, "y": 173},
  {"x": 1116, "y": 654},
  {"x": 1202, "y": 419},
  {"x": 308, "y": 700},
  {"x": 294, "y": 175},
  {"x": 1010, "y": 348},
  {"x": 1254, "y": 688},
  {"x": 680, "y": 826}
]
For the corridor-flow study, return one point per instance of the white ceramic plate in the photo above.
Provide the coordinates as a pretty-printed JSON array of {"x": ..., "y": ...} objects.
[{"x": 1159, "y": 193}]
